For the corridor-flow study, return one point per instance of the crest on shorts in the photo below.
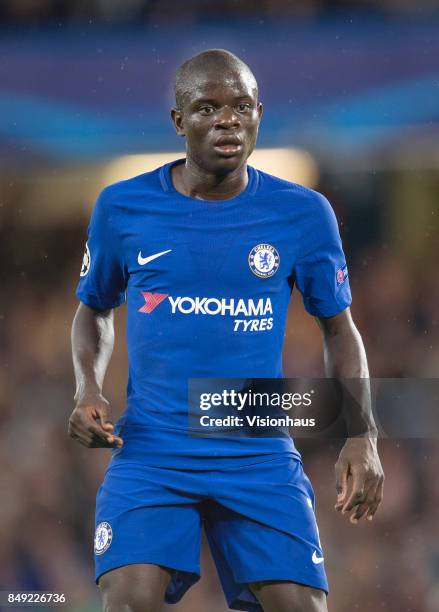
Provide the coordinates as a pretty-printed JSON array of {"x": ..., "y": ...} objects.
[
  {"x": 85, "y": 261},
  {"x": 103, "y": 538},
  {"x": 264, "y": 260}
]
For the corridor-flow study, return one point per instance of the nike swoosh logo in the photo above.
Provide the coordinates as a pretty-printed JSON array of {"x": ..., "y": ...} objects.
[
  {"x": 316, "y": 559},
  {"x": 144, "y": 260}
]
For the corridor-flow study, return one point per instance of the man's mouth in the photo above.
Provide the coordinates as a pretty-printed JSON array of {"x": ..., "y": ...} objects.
[{"x": 228, "y": 145}]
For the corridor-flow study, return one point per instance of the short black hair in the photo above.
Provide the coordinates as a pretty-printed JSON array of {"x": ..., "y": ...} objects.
[{"x": 218, "y": 60}]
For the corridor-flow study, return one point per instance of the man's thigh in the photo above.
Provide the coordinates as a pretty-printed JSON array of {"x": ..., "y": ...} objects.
[
  {"x": 289, "y": 597},
  {"x": 147, "y": 517},
  {"x": 261, "y": 528},
  {"x": 134, "y": 588}
]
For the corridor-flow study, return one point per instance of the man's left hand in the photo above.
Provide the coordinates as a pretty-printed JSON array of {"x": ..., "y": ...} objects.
[{"x": 359, "y": 461}]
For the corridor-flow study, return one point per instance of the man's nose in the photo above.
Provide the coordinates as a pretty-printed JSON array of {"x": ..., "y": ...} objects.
[{"x": 227, "y": 118}]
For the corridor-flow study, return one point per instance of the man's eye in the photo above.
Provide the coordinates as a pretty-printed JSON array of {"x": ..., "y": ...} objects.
[
  {"x": 242, "y": 108},
  {"x": 206, "y": 110}
]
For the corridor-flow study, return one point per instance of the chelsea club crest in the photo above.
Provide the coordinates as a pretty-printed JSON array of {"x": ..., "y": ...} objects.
[
  {"x": 264, "y": 260},
  {"x": 103, "y": 538}
]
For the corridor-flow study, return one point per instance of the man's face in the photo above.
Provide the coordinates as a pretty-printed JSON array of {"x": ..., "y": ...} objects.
[{"x": 220, "y": 120}]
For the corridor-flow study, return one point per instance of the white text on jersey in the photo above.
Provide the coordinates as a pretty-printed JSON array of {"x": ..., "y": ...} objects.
[{"x": 223, "y": 306}]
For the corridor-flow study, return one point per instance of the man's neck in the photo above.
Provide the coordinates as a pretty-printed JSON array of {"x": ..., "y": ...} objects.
[{"x": 194, "y": 182}]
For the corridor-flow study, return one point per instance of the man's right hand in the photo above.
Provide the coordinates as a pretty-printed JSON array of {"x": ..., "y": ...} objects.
[{"x": 89, "y": 424}]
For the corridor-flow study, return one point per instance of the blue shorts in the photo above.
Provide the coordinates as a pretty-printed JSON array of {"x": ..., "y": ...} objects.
[{"x": 259, "y": 521}]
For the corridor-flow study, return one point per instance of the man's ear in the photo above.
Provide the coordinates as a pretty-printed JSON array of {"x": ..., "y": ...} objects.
[
  {"x": 177, "y": 120},
  {"x": 260, "y": 110}
]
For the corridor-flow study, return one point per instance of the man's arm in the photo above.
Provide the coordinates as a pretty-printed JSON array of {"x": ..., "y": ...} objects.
[
  {"x": 92, "y": 346},
  {"x": 345, "y": 358}
]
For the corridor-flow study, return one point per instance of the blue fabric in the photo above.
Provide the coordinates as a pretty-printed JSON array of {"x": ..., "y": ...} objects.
[
  {"x": 203, "y": 299},
  {"x": 259, "y": 521}
]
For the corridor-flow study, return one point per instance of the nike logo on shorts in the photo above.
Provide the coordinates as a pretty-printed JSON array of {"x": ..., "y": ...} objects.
[{"x": 316, "y": 559}]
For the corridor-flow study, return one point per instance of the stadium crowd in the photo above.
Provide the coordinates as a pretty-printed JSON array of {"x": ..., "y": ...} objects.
[{"x": 48, "y": 482}]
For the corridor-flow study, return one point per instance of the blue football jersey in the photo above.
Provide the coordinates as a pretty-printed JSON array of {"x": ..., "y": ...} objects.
[{"x": 207, "y": 285}]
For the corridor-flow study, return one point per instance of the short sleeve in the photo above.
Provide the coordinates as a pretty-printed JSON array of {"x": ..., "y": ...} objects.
[
  {"x": 321, "y": 275},
  {"x": 103, "y": 276}
]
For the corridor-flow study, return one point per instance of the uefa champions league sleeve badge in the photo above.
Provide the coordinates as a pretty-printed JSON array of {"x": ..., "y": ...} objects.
[
  {"x": 85, "y": 261},
  {"x": 103, "y": 538},
  {"x": 264, "y": 260}
]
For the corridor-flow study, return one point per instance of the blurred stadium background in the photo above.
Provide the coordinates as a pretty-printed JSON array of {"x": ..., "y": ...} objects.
[{"x": 351, "y": 93}]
